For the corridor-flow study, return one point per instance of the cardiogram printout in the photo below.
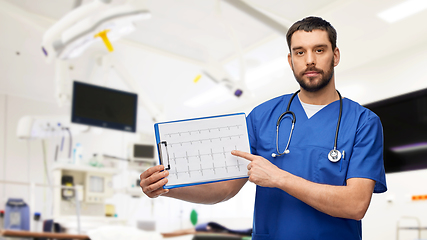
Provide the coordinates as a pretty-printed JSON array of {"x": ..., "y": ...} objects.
[{"x": 198, "y": 151}]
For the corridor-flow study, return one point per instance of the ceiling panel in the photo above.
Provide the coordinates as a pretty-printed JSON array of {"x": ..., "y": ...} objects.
[
  {"x": 198, "y": 29},
  {"x": 47, "y": 8},
  {"x": 290, "y": 9},
  {"x": 205, "y": 30}
]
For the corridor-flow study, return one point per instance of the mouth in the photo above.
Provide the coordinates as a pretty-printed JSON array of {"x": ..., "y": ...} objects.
[{"x": 311, "y": 73}]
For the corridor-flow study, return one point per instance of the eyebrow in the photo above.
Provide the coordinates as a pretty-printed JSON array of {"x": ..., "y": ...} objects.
[{"x": 316, "y": 46}]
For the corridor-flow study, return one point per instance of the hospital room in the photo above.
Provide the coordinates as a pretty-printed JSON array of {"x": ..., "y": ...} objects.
[{"x": 213, "y": 119}]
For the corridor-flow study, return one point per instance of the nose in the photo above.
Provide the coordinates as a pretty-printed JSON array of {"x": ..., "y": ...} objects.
[{"x": 310, "y": 59}]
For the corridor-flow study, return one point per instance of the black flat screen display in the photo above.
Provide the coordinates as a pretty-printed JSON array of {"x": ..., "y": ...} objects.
[
  {"x": 404, "y": 120},
  {"x": 104, "y": 107},
  {"x": 143, "y": 151}
]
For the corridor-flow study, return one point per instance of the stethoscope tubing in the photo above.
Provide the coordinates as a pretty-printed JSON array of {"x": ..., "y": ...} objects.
[
  {"x": 293, "y": 125},
  {"x": 339, "y": 121}
]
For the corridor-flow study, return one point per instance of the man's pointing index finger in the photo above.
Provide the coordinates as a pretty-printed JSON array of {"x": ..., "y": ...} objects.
[{"x": 244, "y": 155}]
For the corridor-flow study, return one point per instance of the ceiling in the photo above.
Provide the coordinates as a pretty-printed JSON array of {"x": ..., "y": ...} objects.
[{"x": 196, "y": 33}]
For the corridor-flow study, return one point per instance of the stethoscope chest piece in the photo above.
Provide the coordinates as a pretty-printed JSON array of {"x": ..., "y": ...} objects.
[{"x": 334, "y": 155}]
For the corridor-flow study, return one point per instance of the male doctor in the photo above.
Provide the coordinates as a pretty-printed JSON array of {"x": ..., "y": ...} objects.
[{"x": 302, "y": 192}]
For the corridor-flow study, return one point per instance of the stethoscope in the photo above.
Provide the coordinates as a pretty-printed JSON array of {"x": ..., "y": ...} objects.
[{"x": 333, "y": 156}]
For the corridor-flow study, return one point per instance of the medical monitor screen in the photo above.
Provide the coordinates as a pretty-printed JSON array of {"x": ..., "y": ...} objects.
[
  {"x": 404, "y": 120},
  {"x": 143, "y": 151},
  {"x": 96, "y": 184},
  {"x": 104, "y": 107}
]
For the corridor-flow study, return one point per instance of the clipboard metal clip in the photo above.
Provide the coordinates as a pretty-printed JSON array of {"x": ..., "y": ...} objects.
[{"x": 163, "y": 150}]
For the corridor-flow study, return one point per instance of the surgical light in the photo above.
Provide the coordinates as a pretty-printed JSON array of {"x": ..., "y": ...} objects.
[{"x": 87, "y": 24}]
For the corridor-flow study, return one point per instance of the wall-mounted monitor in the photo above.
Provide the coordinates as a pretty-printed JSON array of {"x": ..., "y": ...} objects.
[
  {"x": 104, "y": 107},
  {"x": 143, "y": 152},
  {"x": 98, "y": 187},
  {"x": 142, "y": 155},
  {"x": 404, "y": 120}
]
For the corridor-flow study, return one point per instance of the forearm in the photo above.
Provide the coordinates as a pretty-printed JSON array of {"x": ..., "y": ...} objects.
[
  {"x": 155, "y": 178},
  {"x": 349, "y": 201},
  {"x": 209, "y": 193}
]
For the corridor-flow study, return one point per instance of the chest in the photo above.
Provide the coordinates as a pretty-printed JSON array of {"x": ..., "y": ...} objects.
[{"x": 309, "y": 143}]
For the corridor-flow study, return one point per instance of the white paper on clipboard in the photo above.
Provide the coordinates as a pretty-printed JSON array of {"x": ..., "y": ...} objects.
[{"x": 197, "y": 151}]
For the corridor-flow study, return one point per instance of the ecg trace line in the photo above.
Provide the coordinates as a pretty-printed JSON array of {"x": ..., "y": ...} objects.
[
  {"x": 176, "y": 172},
  {"x": 207, "y": 139},
  {"x": 200, "y": 155},
  {"x": 201, "y": 130}
]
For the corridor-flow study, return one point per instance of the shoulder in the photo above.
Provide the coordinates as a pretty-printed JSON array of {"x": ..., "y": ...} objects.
[
  {"x": 361, "y": 113},
  {"x": 271, "y": 104},
  {"x": 268, "y": 110}
]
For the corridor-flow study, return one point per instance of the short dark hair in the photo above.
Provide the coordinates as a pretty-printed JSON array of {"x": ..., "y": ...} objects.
[{"x": 308, "y": 24}]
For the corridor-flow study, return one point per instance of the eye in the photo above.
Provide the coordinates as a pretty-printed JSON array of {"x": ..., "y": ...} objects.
[
  {"x": 319, "y": 50},
  {"x": 299, "y": 53}
]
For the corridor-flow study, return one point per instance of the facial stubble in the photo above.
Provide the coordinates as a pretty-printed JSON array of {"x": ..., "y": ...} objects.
[{"x": 326, "y": 77}]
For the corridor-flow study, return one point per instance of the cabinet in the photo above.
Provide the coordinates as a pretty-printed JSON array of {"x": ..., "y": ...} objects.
[{"x": 82, "y": 203}]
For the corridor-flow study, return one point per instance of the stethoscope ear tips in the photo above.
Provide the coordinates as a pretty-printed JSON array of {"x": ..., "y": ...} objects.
[{"x": 285, "y": 152}]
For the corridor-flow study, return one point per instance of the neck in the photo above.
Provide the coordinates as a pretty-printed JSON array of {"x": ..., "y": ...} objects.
[{"x": 323, "y": 96}]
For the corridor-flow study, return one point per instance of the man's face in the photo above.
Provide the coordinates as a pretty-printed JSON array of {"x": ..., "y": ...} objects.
[{"x": 312, "y": 59}]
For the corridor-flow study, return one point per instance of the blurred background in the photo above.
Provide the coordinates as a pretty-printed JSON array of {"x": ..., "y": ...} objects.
[{"x": 189, "y": 59}]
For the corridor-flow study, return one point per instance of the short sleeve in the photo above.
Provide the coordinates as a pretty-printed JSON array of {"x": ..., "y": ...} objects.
[
  {"x": 251, "y": 132},
  {"x": 367, "y": 158}
]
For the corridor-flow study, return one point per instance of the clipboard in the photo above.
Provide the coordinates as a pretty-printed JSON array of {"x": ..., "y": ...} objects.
[{"x": 198, "y": 151}]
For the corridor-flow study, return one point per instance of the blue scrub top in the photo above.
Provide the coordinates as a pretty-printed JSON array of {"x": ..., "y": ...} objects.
[{"x": 278, "y": 215}]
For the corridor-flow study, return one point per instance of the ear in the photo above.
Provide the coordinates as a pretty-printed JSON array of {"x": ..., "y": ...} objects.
[
  {"x": 290, "y": 60},
  {"x": 336, "y": 56}
]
